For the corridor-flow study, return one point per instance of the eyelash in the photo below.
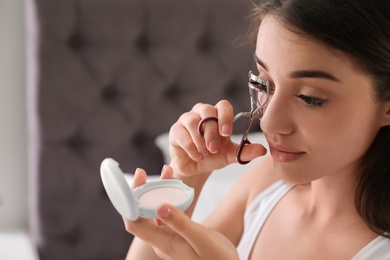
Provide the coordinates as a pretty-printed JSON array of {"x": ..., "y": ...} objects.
[{"x": 311, "y": 101}]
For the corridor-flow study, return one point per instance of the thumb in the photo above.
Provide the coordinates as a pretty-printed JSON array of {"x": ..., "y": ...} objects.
[
  {"x": 173, "y": 217},
  {"x": 180, "y": 223},
  {"x": 248, "y": 152},
  {"x": 252, "y": 151}
]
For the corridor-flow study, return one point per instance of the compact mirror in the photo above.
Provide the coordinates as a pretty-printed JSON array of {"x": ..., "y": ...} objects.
[{"x": 145, "y": 199}]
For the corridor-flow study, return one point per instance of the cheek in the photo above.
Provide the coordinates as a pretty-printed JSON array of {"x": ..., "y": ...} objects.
[{"x": 342, "y": 140}]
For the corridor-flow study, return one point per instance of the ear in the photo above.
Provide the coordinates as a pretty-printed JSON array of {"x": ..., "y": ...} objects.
[{"x": 386, "y": 114}]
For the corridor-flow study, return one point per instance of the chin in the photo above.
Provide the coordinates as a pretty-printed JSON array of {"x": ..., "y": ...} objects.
[{"x": 293, "y": 176}]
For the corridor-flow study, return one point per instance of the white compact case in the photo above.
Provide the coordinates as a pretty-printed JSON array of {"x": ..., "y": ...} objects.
[{"x": 145, "y": 199}]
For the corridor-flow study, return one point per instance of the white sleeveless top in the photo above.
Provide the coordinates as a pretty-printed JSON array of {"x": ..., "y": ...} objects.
[{"x": 260, "y": 208}]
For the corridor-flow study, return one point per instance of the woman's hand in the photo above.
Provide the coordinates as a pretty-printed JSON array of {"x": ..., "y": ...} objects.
[
  {"x": 174, "y": 235},
  {"x": 178, "y": 237},
  {"x": 194, "y": 154}
]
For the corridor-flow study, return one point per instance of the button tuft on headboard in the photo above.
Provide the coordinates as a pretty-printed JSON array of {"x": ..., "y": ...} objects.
[
  {"x": 77, "y": 142},
  {"x": 172, "y": 92},
  {"x": 143, "y": 43},
  {"x": 76, "y": 42},
  {"x": 73, "y": 236},
  {"x": 139, "y": 139},
  {"x": 205, "y": 44},
  {"x": 110, "y": 94}
]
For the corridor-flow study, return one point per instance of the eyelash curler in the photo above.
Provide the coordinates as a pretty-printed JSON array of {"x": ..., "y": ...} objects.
[{"x": 259, "y": 90}]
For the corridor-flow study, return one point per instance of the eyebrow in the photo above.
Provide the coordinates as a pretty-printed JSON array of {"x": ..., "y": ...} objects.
[
  {"x": 303, "y": 73},
  {"x": 260, "y": 62},
  {"x": 313, "y": 74}
]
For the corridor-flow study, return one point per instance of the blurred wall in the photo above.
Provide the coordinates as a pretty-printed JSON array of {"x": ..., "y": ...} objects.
[{"x": 13, "y": 139}]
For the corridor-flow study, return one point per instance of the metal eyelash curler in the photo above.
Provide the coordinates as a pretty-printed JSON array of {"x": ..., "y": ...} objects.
[{"x": 259, "y": 97}]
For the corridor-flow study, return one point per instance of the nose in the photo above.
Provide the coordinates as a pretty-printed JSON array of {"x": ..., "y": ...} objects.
[{"x": 277, "y": 117}]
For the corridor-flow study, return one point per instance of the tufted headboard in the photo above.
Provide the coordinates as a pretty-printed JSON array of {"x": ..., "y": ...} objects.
[{"x": 108, "y": 77}]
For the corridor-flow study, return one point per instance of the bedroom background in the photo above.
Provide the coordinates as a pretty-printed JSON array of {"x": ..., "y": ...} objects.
[{"x": 82, "y": 80}]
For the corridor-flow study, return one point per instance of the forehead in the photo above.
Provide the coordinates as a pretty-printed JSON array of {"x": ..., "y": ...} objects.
[{"x": 278, "y": 46}]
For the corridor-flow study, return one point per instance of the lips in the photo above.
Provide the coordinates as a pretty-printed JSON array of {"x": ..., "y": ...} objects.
[{"x": 284, "y": 154}]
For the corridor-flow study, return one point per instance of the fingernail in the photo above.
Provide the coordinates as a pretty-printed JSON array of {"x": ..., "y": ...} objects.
[
  {"x": 226, "y": 130},
  {"x": 164, "y": 211},
  {"x": 137, "y": 170},
  {"x": 205, "y": 151},
  {"x": 163, "y": 168},
  {"x": 213, "y": 146}
]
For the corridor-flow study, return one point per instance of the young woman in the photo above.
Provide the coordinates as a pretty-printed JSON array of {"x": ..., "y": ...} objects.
[{"x": 324, "y": 191}]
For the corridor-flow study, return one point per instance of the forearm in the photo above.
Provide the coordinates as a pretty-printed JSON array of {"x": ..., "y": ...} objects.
[{"x": 140, "y": 250}]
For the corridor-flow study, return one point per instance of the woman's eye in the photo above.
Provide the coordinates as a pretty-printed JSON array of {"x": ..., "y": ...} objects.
[{"x": 311, "y": 101}]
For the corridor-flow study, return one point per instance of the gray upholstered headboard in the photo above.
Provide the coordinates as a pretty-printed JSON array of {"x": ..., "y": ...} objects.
[{"x": 111, "y": 76}]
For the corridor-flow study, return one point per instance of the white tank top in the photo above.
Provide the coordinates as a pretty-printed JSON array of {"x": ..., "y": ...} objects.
[{"x": 260, "y": 208}]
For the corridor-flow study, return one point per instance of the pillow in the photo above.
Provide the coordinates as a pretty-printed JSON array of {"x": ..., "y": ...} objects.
[{"x": 220, "y": 181}]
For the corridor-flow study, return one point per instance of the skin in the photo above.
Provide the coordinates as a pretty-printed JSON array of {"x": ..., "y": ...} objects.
[{"x": 320, "y": 121}]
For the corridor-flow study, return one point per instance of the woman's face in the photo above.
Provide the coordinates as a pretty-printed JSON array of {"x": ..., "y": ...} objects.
[{"x": 322, "y": 116}]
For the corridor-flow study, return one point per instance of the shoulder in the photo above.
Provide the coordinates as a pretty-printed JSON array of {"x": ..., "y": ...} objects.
[
  {"x": 254, "y": 181},
  {"x": 229, "y": 215},
  {"x": 258, "y": 178}
]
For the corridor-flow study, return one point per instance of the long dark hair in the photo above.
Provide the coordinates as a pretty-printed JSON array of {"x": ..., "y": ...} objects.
[{"x": 361, "y": 29}]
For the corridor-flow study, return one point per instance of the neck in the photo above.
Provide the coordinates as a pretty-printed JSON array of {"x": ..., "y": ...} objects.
[{"x": 330, "y": 198}]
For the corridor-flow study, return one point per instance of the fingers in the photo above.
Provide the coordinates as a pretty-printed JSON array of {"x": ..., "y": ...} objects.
[
  {"x": 223, "y": 110},
  {"x": 210, "y": 128},
  {"x": 188, "y": 142},
  {"x": 139, "y": 178},
  {"x": 213, "y": 130},
  {"x": 166, "y": 172},
  {"x": 186, "y": 129},
  {"x": 225, "y": 119},
  {"x": 212, "y": 134},
  {"x": 193, "y": 153},
  {"x": 181, "y": 224}
]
